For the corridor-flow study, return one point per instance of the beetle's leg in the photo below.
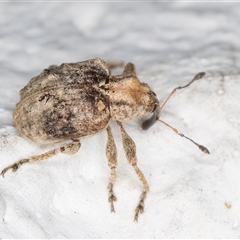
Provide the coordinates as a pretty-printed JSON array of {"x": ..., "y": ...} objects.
[
  {"x": 69, "y": 148},
  {"x": 129, "y": 69},
  {"x": 114, "y": 64},
  {"x": 111, "y": 152},
  {"x": 130, "y": 151}
]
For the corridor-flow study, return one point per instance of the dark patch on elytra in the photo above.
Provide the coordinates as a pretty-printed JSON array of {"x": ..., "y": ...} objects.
[
  {"x": 66, "y": 131},
  {"x": 54, "y": 119}
]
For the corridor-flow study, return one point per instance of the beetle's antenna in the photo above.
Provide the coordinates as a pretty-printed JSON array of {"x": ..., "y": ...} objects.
[
  {"x": 197, "y": 77},
  {"x": 155, "y": 117},
  {"x": 201, "y": 147}
]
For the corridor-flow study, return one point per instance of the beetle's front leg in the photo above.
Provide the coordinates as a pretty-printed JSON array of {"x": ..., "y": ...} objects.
[
  {"x": 111, "y": 152},
  {"x": 69, "y": 148},
  {"x": 130, "y": 151}
]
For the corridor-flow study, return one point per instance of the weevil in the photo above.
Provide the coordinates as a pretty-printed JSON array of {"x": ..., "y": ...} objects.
[{"x": 75, "y": 100}]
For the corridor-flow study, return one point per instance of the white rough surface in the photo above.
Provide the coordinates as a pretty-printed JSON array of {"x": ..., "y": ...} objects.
[{"x": 192, "y": 194}]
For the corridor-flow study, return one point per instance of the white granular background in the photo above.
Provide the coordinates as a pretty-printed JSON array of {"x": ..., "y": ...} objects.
[{"x": 192, "y": 194}]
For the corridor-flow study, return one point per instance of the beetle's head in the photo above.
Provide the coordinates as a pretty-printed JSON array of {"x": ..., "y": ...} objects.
[
  {"x": 154, "y": 107},
  {"x": 131, "y": 99}
]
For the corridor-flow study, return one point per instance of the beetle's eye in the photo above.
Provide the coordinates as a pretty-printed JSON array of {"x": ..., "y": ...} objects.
[
  {"x": 154, "y": 93},
  {"x": 153, "y": 119},
  {"x": 154, "y": 108}
]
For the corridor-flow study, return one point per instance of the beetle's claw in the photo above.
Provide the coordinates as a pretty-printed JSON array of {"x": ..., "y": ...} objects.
[
  {"x": 139, "y": 209},
  {"x": 3, "y": 172},
  {"x": 14, "y": 168},
  {"x": 112, "y": 199}
]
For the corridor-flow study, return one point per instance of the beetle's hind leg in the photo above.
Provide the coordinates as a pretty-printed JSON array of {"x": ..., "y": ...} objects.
[
  {"x": 69, "y": 148},
  {"x": 130, "y": 151},
  {"x": 111, "y": 152}
]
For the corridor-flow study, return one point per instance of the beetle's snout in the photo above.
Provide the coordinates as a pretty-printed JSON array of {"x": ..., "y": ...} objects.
[
  {"x": 152, "y": 120},
  {"x": 156, "y": 112}
]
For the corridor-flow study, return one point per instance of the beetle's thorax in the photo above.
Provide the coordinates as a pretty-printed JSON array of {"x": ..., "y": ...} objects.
[{"x": 130, "y": 99}]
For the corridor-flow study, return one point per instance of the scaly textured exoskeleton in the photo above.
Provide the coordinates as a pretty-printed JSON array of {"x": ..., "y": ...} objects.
[{"x": 75, "y": 100}]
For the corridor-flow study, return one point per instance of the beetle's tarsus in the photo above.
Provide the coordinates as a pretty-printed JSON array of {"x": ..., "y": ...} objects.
[
  {"x": 140, "y": 206},
  {"x": 112, "y": 199},
  {"x": 14, "y": 166},
  {"x": 139, "y": 209},
  {"x": 3, "y": 172}
]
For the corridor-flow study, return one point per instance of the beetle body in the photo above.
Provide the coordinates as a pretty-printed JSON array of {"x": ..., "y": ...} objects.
[{"x": 74, "y": 100}]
